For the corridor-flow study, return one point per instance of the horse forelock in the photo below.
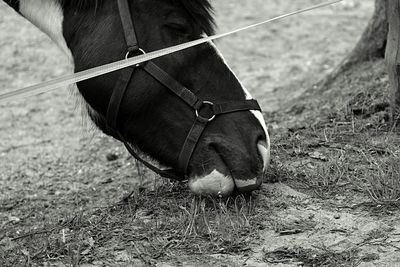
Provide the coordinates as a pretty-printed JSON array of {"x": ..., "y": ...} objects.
[{"x": 201, "y": 12}]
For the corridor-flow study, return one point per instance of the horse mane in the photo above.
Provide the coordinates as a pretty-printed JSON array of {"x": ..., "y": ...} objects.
[{"x": 200, "y": 11}]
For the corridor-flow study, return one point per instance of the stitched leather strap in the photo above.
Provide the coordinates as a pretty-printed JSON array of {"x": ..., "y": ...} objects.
[
  {"x": 167, "y": 173},
  {"x": 112, "y": 122},
  {"x": 117, "y": 96},
  {"x": 173, "y": 85},
  {"x": 190, "y": 144},
  {"x": 237, "y": 106},
  {"x": 127, "y": 24}
]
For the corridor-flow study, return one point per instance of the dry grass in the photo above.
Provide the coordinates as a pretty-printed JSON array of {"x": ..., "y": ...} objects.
[
  {"x": 148, "y": 227},
  {"x": 383, "y": 184},
  {"x": 326, "y": 180},
  {"x": 363, "y": 162},
  {"x": 314, "y": 257},
  {"x": 354, "y": 148},
  {"x": 284, "y": 227},
  {"x": 321, "y": 255}
]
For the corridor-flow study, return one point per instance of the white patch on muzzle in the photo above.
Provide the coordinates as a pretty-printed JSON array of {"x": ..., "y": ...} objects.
[
  {"x": 48, "y": 16},
  {"x": 214, "y": 184},
  {"x": 240, "y": 184}
]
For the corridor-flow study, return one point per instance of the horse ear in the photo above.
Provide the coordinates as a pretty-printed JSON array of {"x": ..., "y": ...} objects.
[{"x": 13, "y": 3}]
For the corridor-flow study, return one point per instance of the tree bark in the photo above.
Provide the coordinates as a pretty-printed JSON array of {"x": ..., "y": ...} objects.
[
  {"x": 393, "y": 55},
  {"x": 372, "y": 43}
]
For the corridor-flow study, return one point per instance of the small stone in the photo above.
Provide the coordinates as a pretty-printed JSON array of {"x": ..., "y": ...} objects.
[
  {"x": 108, "y": 181},
  {"x": 112, "y": 157},
  {"x": 337, "y": 216},
  {"x": 14, "y": 219},
  {"x": 318, "y": 155}
]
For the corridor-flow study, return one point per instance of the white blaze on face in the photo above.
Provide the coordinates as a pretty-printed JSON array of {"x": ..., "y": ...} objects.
[
  {"x": 217, "y": 183},
  {"x": 48, "y": 16},
  {"x": 256, "y": 113}
]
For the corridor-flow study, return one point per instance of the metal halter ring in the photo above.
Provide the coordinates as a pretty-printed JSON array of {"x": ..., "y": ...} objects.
[
  {"x": 140, "y": 51},
  {"x": 211, "y": 104}
]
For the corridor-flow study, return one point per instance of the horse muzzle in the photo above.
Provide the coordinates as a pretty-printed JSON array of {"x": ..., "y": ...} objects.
[{"x": 224, "y": 180}]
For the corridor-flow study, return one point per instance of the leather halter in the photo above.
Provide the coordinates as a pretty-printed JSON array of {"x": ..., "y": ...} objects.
[{"x": 205, "y": 111}]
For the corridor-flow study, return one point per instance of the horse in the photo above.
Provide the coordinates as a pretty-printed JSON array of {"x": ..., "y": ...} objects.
[{"x": 230, "y": 154}]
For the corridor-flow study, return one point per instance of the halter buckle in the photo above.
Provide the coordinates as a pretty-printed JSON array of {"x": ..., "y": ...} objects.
[{"x": 211, "y": 115}]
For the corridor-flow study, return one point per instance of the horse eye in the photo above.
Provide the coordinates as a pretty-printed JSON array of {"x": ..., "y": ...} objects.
[{"x": 178, "y": 28}]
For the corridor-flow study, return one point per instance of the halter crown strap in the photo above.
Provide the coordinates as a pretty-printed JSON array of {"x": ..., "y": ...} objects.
[{"x": 127, "y": 24}]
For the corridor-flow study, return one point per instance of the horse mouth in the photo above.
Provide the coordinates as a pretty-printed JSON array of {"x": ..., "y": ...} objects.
[
  {"x": 217, "y": 183},
  {"x": 214, "y": 184},
  {"x": 222, "y": 181}
]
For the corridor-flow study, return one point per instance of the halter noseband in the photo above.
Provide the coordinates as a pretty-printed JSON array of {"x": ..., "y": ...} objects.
[{"x": 205, "y": 111}]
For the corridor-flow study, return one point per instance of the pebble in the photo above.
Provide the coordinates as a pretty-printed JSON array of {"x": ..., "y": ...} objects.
[{"x": 112, "y": 157}]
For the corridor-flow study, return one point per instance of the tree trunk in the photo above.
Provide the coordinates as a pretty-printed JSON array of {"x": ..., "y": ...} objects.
[
  {"x": 373, "y": 41},
  {"x": 393, "y": 56},
  {"x": 371, "y": 45}
]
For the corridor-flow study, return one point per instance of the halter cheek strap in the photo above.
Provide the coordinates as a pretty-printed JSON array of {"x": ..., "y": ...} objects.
[
  {"x": 205, "y": 111},
  {"x": 120, "y": 89}
]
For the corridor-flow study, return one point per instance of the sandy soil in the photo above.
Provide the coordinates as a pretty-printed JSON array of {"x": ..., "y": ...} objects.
[{"x": 54, "y": 165}]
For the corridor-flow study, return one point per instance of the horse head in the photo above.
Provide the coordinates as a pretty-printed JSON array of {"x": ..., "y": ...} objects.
[{"x": 233, "y": 151}]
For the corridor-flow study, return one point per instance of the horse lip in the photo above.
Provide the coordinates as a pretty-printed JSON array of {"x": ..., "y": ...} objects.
[
  {"x": 246, "y": 186},
  {"x": 226, "y": 179},
  {"x": 219, "y": 182},
  {"x": 240, "y": 185},
  {"x": 249, "y": 185},
  {"x": 214, "y": 184}
]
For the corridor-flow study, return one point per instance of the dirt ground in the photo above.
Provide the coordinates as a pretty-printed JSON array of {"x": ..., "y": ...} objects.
[{"x": 334, "y": 197}]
